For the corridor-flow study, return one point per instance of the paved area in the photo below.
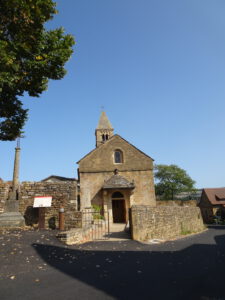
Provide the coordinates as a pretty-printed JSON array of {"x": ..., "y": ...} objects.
[
  {"x": 119, "y": 232},
  {"x": 34, "y": 265}
]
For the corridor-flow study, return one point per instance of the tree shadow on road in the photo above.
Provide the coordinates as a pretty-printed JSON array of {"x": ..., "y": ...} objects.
[{"x": 196, "y": 272}]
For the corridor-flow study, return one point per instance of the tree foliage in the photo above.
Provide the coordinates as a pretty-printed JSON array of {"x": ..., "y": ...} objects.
[
  {"x": 171, "y": 180},
  {"x": 30, "y": 55}
]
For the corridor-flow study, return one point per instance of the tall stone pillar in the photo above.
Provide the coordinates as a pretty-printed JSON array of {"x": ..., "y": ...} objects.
[
  {"x": 16, "y": 169},
  {"x": 11, "y": 216},
  {"x": 12, "y": 203}
]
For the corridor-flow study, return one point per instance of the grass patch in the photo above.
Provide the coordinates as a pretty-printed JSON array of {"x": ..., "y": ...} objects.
[{"x": 186, "y": 232}]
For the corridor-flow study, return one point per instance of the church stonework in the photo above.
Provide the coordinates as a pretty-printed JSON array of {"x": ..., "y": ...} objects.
[{"x": 115, "y": 175}]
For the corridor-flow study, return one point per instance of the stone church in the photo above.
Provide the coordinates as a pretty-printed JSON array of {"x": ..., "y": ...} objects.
[{"x": 115, "y": 175}]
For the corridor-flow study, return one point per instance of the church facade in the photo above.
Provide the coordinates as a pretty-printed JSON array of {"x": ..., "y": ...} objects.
[{"x": 115, "y": 175}]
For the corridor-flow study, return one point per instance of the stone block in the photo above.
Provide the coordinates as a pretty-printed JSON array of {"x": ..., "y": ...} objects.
[
  {"x": 75, "y": 236},
  {"x": 12, "y": 220}
]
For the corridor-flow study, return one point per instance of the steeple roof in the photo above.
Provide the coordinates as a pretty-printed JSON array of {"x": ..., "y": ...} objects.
[{"x": 104, "y": 122}]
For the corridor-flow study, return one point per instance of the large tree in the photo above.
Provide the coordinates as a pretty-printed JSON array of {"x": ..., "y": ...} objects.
[
  {"x": 171, "y": 180},
  {"x": 30, "y": 55}
]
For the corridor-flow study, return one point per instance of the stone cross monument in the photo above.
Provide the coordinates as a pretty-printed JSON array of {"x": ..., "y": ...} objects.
[{"x": 11, "y": 216}]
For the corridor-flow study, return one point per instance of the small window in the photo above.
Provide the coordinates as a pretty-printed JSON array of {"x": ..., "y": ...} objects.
[
  {"x": 118, "y": 157},
  {"x": 78, "y": 202}
]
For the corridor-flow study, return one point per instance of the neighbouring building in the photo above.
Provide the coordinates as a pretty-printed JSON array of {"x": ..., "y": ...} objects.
[
  {"x": 115, "y": 175},
  {"x": 212, "y": 204},
  {"x": 55, "y": 178}
]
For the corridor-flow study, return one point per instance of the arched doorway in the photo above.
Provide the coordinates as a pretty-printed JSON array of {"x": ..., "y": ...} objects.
[{"x": 118, "y": 208}]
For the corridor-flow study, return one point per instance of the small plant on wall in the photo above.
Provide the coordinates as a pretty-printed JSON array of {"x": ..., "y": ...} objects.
[{"x": 97, "y": 212}]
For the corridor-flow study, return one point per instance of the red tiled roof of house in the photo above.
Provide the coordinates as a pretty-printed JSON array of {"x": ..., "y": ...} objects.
[{"x": 215, "y": 195}]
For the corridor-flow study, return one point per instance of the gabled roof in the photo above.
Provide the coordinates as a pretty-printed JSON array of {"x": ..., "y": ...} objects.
[
  {"x": 117, "y": 181},
  {"x": 58, "y": 178},
  {"x": 108, "y": 141},
  {"x": 215, "y": 195},
  {"x": 104, "y": 122}
]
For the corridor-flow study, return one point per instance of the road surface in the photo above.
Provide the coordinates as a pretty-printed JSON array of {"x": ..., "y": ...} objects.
[{"x": 34, "y": 265}]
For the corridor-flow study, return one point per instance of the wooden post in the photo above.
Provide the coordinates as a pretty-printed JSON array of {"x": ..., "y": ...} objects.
[
  {"x": 41, "y": 218},
  {"x": 61, "y": 218}
]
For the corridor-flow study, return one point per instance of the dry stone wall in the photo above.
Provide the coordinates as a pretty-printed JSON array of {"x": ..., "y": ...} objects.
[
  {"x": 63, "y": 194},
  {"x": 176, "y": 203},
  {"x": 4, "y": 190},
  {"x": 164, "y": 222},
  {"x": 76, "y": 236}
]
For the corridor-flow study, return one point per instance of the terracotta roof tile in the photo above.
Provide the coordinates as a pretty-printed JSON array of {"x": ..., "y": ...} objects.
[{"x": 215, "y": 195}]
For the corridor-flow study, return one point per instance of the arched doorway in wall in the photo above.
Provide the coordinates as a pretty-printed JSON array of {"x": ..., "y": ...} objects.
[{"x": 118, "y": 208}]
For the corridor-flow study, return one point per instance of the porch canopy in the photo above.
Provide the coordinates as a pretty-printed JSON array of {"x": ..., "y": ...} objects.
[{"x": 118, "y": 182}]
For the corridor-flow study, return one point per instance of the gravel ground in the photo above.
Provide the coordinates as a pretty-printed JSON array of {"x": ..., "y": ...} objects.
[{"x": 35, "y": 265}]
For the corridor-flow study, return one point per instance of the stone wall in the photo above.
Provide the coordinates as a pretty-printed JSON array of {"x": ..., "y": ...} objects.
[
  {"x": 76, "y": 236},
  {"x": 176, "y": 203},
  {"x": 63, "y": 194},
  {"x": 4, "y": 190},
  {"x": 164, "y": 222}
]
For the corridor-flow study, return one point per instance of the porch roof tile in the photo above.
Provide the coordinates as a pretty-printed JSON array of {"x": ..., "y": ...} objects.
[{"x": 117, "y": 181}]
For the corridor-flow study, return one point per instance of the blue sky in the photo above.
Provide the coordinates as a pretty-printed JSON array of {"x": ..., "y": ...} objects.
[{"x": 157, "y": 67}]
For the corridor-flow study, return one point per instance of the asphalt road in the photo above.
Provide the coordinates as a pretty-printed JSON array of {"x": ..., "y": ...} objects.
[{"x": 34, "y": 265}]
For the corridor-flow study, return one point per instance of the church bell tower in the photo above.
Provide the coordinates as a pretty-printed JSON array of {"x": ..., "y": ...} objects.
[{"x": 104, "y": 130}]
